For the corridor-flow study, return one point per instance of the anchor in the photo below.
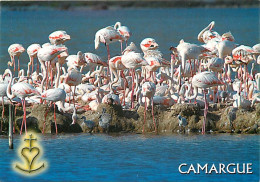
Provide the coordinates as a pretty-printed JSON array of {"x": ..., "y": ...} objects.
[{"x": 30, "y": 149}]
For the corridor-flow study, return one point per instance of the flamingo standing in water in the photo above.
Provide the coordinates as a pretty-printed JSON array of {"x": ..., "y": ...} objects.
[
  {"x": 124, "y": 32},
  {"x": 204, "y": 80},
  {"x": 54, "y": 95},
  {"x": 148, "y": 90},
  {"x": 107, "y": 36},
  {"x": 20, "y": 90},
  {"x": 15, "y": 50},
  {"x": 32, "y": 51}
]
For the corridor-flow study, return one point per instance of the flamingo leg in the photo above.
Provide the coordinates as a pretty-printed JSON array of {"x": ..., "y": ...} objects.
[
  {"x": 24, "y": 117},
  {"x": 21, "y": 130},
  {"x": 18, "y": 63},
  {"x": 153, "y": 118},
  {"x": 55, "y": 118},
  {"x": 74, "y": 95},
  {"x": 32, "y": 64},
  {"x": 51, "y": 77},
  {"x": 69, "y": 95},
  {"x": 47, "y": 76},
  {"x": 14, "y": 119},
  {"x": 38, "y": 66},
  {"x": 126, "y": 43},
  {"x": 145, "y": 108},
  {"x": 132, "y": 94},
  {"x": 13, "y": 61},
  {"x": 121, "y": 42},
  {"x": 25, "y": 125},
  {"x": 108, "y": 58},
  {"x": 205, "y": 114}
]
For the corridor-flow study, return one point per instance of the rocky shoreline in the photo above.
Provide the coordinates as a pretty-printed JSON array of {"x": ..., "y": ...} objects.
[{"x": 131, "y": 121}]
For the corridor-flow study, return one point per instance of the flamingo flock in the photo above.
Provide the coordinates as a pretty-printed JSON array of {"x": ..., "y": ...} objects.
[{"x": 212, "y": 72}]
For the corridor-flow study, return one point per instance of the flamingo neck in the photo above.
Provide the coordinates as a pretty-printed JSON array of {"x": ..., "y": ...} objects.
[
  {"x": 8, "y": 92},
  {"x": 44, "y": 73},
  {"x": 194, "y": 95}
]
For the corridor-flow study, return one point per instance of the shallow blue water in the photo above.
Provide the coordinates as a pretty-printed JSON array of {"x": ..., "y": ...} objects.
[
  {"x": 166, "y": 26},
  {"x": 136, "y": 157}
]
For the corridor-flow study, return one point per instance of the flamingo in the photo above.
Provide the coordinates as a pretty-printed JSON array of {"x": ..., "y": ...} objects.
[
  {"x": 75, "y": 61},
  {"x": 188, "y": 51},
  {"x": 58, "y": 37},
  {"x": 124, "y": 32},
  {"x": 20, "y": 90},
  {"x": 53, "y": 95},
  {"x": 148, "y": 91},
  {"x": 93, "y": 60},
  {"x": 107, "y": 36},
  {"x": 204, "y": 80},
  {"x": 15, "y": 50},
  {"x": 207, "y": 34},
  {"x": 115, "y": 64},
  {"x": 73, "y": 78},
  {"x": 132, "y": 60},
  {"x": 226, "y": 45},
  {"x": 32, "y": 51},
  {"x": 47, "y": 54}
]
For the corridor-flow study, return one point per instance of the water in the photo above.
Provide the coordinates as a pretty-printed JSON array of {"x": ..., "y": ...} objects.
[
  {"x": 166, "y": 26},
  {"x": 136, "y": 157}
]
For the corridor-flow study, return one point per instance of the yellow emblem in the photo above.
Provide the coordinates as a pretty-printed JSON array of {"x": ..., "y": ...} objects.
[{"x": 29, "y": 152}]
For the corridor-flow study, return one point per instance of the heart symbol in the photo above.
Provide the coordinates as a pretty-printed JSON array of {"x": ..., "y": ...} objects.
[{"x": 30, "y": 154}]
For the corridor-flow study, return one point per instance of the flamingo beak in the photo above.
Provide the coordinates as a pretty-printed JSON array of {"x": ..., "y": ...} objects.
[{"x": 67, "y": 37}]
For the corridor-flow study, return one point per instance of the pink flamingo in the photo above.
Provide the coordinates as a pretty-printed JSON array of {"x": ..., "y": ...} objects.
[
  {"x": 53, "y": 95},
  {"x": 58, "y": 37},
  {"x": 20, "y": 90},
  {"x": 107, "y": 36},
  {"x": 47, "y": 54},
  {"x": 148, "y": 91},
  {"x": 93, "y": 60},
  {"x": 73, "y": 78},
  {"x": 124, "y": 32},
  {"x": 75, "y": 61},
  {"x": 115, "y": 64},
  {"x": 204, "y": 80},
  {"x": 132, "y": 60},
  {"x": 226, "y": 45},
  {"x": 32, "y": 51},
  {"x": 207, "y": 34},
  {"x": 15, "y": 50},
  {"x": 188, "y": 51}
]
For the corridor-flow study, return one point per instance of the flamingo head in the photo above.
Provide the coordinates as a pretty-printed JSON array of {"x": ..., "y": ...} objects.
[
  {"x": 148, "y": 44},
  {"x": 228, "y": 36},
  {"x": 7, "y": 72}
]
